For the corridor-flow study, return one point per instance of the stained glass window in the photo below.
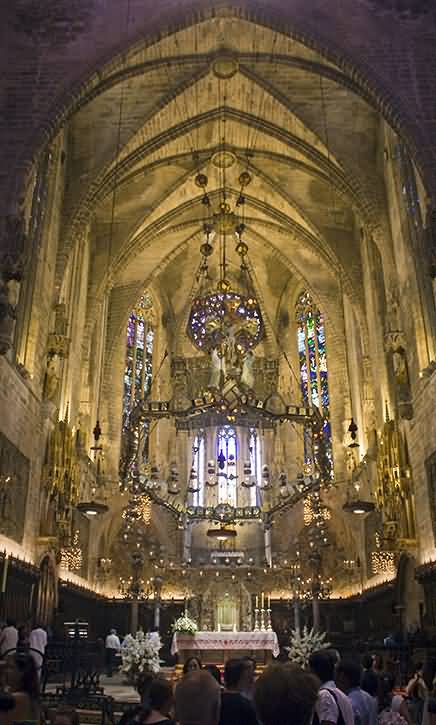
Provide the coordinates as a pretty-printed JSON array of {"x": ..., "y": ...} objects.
[
  {"x": 227, "y": 457},
  {"x": 199, "y": 466},
  {"x": 139, "y": 355},
  {"x": 255, "y": 465},
  {"x": 313, "y": 368}
]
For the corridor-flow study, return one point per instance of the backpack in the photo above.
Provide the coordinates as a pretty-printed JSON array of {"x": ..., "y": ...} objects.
[{"x": 340, "y": 720}]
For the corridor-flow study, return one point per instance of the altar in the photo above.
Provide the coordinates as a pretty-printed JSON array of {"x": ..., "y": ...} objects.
[{"x": 218, "y": 647}]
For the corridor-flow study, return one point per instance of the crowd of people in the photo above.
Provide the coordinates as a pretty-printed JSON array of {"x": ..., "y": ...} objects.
[{"x": 330, "y": 691}]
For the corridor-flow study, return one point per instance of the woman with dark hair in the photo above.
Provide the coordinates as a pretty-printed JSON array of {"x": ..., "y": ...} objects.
[
  {"x": 156, "y": 708},
  {"x": 22, "y": 680},
  {"x": 160, "y": 703},
  {"x": 192, "y": 664}
]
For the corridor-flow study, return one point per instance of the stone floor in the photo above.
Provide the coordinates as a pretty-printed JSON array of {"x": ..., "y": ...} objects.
[{"x": 116, "y": 686}]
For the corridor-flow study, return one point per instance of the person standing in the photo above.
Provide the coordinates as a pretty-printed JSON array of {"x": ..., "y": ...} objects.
[
  {"x": 417, "y": 692},
  {"x": 37, "y": 644},
  {"x": 8, "y": 638},
  {"x": 236, "y": 708},
  {"x": 369, "y": 681},
  {"x": 285, "y": 694},
  {"x": 333, "y": 707},
  {"x": 198, "y": 699},
  {"x": 112, "y": 647},
  {"x": 348, "y": 677}
]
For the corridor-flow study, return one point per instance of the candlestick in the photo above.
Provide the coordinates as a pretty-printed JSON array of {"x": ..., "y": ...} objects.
[
  {"x": 262, "y": 620},
  {"x": 262, "y": 601},
  {"x": 269, "y": 601},
  {"x": 257, "y": 602}
]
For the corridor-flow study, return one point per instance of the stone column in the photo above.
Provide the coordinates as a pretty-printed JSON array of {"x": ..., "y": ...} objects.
[
  {"x": 315, "y": 612},
  {"x": 297, "y": 618},
  {"x": 268, "y": 549},
  {"x": 157, "y": 602},
  {"x": 134, "y": 616},
  {"x": 13, "y": 243}
]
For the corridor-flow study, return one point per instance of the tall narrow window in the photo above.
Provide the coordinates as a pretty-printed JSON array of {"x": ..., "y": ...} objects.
[
  {"x": 313, "y": 368},
  {"x": 139, "y": 355},
  {"x": 199, "y": 466},
  {"x": 227, "y": 457},
  {"x": 255, "y": 465}
]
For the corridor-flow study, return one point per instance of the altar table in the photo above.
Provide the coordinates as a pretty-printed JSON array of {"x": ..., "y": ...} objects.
[{"x": 218, "y": 647}]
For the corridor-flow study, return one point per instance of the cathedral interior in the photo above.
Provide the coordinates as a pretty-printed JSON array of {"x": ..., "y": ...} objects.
[{"x": 217, "y": 315}]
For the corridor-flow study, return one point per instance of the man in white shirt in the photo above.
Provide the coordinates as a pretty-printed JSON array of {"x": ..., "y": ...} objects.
[
  {"x": 8, "y": 638},
  {"x": 112, "y": 646},
  {"x": 333, "y": 707},
  {"x": 37, "y": 644}
]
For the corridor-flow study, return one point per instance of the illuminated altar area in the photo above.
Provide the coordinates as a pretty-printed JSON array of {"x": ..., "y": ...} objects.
[{"x": 216, "y": 338}]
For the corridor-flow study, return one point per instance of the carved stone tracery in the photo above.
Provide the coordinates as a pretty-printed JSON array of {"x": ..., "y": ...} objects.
[{"x": 13, "y": 243}]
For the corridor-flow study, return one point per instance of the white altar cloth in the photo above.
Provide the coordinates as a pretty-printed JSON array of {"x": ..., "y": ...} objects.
[{"x": 226, "y": 641}]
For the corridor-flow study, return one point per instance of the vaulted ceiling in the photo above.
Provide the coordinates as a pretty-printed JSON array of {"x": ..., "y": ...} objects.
[{"x": 150, "y": 121}]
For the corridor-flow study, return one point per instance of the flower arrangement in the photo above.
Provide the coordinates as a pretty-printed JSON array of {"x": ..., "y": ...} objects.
[
  {"x": 303, "y": 644},
  {"x": 140, "y": 654},
  {"x": 185, "y": 625}
]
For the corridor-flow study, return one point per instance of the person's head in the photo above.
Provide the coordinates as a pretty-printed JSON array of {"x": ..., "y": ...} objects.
[
  {"x": 143, "y": 685},
  {"x": 65, "y": 715},
  {"x": 285, "y": 694},
  {"x": 377, "y": 663},
  {"x": 215, "y": 672},
  {"x": 238, "y": 674},
  {"x": 418, "y": 669},
  {"x": 335, "y": 655},
  {"x": 198, "y": 699},
  {"x": 348, "y": 675},
  {"x": 192, "y": 664},
  {"x": 367, "y": 661},
  {"x": 10, "y": 622},
  {"x": 113, "y": 631},
  {"x": 322, "y": 665},
  {"x": 251, "y": 662},
  {"x": 160, "y": 697},
  {"x": 22, "y": 675}
]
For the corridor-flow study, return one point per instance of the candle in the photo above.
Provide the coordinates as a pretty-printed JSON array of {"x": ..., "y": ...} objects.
[
  {"x": 263, "y": 601},
  {"x": 257, "y": 602},
  {"x": 269, "y": 601}
]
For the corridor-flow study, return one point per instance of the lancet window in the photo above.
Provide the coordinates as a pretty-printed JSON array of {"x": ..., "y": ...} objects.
[
  {"x": 255, "y": 465},
  {"x": 199, "y": 467},
  {"x": 227, "y": 458},
  {"x": 312, "y": 356},
  {"x": 139, "y": 354}
]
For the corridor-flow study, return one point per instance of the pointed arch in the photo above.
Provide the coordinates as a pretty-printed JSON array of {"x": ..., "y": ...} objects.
[{"x": 312, "y": 356}]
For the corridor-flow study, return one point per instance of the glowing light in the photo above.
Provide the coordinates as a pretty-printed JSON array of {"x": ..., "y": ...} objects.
[{"x": 71, "y": 556}]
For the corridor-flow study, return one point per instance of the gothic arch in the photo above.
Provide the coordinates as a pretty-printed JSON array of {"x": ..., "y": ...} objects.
[{"x": 297, "y": 22}]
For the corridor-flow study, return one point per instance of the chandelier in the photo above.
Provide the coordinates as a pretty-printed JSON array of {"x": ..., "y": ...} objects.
[
  {"x": 138, "y": 510},
  {"x": 225, "y": 320},
  {"x": 71, "y": 556},
  {"x": 225, "y": 323}
]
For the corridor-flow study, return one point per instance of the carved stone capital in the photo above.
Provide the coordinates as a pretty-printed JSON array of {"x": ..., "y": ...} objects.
[
  {"x": 58, "y": 345},
  {"x": 394, "y": 340}
]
